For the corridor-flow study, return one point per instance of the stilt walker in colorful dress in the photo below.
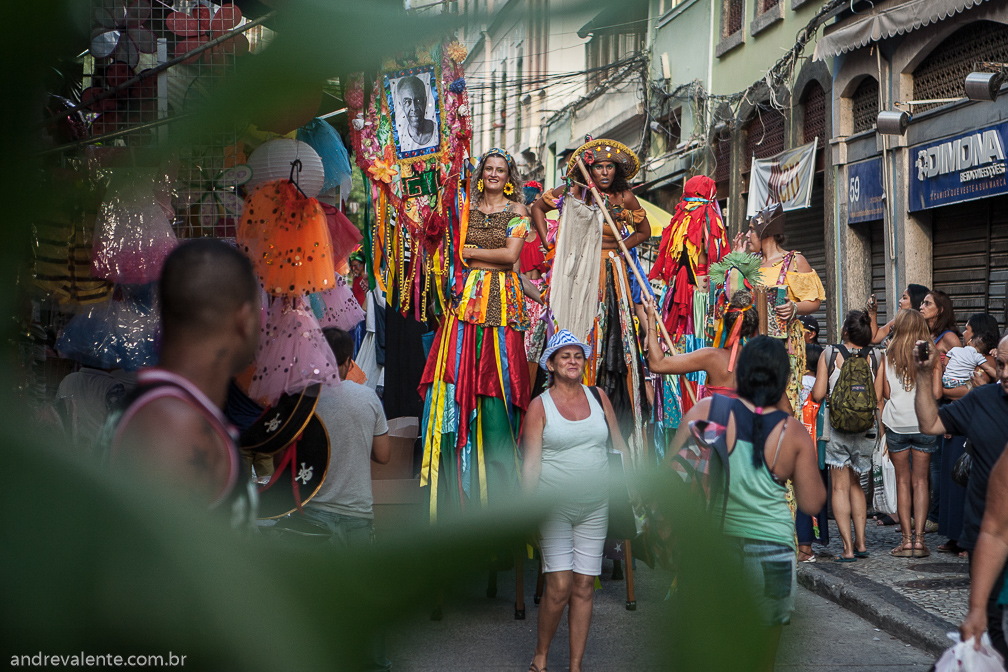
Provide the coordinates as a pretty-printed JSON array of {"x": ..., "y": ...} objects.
[
  {"x": 787, "y": 270},
  {"x": 616, "y": 365},
  {"x": 475, "y": 384}
]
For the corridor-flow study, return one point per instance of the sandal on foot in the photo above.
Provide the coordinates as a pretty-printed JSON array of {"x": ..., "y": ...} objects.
[
  {"x": 919, "y": 549},
  {"x": 861, "y": 554},
  {"x": 930, "y": 527},
  {"x": 533, "y": 668},
  {"x": 904, "y": 550},
  {"x": 841, "y": 558},
  {"x": 808, "y": 558},
  {"x": 949, "y": 546}
]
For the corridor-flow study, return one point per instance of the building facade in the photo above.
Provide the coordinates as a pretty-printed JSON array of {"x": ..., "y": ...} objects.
[{"x": 929, "y": 206}]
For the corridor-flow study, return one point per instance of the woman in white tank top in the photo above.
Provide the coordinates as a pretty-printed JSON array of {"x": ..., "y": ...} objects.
[
  {"x": 904, "y": 441},
  {"x": 564, "y": 436}
]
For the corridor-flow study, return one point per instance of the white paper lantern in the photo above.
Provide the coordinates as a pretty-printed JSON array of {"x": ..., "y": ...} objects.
[{"x": 272, "y": 161}]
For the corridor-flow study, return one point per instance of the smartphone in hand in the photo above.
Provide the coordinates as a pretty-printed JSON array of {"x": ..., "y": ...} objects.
[{"x": 922, "y": 352}]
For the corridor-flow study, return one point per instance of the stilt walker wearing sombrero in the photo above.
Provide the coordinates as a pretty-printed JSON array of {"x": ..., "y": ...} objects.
[
  {"x": 475, "y": 383},
  {"x": 615, "y": 365}
]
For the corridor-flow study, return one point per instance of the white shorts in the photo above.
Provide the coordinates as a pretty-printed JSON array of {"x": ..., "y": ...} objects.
[{"x": 572, "y": 537}]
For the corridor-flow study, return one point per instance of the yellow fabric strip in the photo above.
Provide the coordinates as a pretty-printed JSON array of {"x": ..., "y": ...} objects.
[
  {"x": 481, "y": 464},
  {"x": 503, "y": 307},
  {"x": 432, "y": 443}
]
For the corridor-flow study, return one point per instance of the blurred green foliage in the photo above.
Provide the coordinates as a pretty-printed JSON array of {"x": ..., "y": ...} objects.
[{"x": 101, "y": 562}]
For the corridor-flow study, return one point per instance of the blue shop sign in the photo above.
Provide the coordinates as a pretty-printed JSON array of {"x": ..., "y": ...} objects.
[
  {"x": 962, "y": 168},
  {"x": 865, "y": 196}
]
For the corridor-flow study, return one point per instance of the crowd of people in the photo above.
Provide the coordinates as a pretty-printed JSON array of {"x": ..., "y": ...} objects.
[{"x": 514, "y": 401}]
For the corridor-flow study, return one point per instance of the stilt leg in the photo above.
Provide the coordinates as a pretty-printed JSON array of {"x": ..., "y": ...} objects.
[{"x": 631, "y": 598}]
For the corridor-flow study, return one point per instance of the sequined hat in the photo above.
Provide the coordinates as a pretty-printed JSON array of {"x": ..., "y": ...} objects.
[
  {"x": 769, "y": 221},
  {"x": 605, "y": 150}
]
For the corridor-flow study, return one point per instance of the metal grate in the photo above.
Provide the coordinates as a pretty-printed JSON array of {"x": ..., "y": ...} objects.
[
  {"x": 722, "y": 158},
  {"x": 732, "y": 17},
  {"x": 764, "y": 135},
  {"x": 768, "y": 4},
  {"x": 865, "y": 105},
  {"x": 129, "y": 38},
  {"x": 943, "y": 73},
  {"x": 814, "y": 123}
]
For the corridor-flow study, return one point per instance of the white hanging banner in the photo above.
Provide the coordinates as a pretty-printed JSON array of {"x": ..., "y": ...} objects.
[{"x": 785, "y": 179}]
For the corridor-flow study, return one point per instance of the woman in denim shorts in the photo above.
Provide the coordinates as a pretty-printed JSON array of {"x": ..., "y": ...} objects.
[
  {"x": 767, "y": 446},
  {"x": 904, "y": 441}
]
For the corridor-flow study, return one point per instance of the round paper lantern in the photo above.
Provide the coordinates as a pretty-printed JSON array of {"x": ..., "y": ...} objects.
[{"x": 272, "y": 161}]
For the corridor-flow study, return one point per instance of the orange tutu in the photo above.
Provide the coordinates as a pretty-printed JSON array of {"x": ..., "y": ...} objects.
[{"x": 287, "y": 238}]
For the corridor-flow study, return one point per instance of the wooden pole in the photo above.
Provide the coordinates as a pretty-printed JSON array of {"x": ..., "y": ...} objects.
[{"x": 629, "y": 259}]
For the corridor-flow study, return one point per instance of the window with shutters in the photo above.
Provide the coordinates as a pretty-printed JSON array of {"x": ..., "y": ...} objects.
[
  {"x": 722, "y": 159},
  {"x": 814, "y": 123},
  {"x": 731, "y": 17},
  {"x": 865, "y": 105},
  {"x": 617, "y": 41},
  {"x": 943, "y": 73},
  {"x": 764, "y": 135}
]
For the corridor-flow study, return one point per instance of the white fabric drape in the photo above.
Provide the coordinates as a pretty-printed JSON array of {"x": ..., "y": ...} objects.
[{"x": 575, "y": 279}]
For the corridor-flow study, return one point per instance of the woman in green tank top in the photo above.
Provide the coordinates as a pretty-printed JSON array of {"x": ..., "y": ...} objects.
[{"x": 766, "y": 448}]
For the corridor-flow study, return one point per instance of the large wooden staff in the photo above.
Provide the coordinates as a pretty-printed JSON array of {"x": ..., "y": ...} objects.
[{"x": 629, "y": 260}]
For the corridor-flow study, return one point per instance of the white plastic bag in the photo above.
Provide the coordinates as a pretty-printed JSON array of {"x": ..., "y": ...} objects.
[
  {"x": 884, "y": 478},
  {"x": 962, "y": 657}
]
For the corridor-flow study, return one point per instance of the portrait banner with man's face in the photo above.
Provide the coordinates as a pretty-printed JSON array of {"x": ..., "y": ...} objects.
[{"x": 415, "y": 111}]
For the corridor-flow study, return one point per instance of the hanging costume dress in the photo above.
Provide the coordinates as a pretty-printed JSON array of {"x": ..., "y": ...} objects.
[
  {"x": 801, "y": 287},
  {"x": 616, "y": 365},
  {"x": 475, "y": 384}
]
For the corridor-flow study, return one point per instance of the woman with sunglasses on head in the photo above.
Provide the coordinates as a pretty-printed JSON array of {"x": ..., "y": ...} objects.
[{"x": 788, "y": 268}]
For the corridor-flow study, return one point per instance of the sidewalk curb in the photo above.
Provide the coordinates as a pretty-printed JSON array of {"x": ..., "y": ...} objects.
[{"x": 878, "y": 604}]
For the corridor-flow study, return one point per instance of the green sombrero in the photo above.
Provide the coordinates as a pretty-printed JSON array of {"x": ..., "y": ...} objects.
[{"x": 606, "y": 150}]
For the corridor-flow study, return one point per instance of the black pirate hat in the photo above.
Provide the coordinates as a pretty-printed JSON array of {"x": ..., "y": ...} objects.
[
  {"x": 281, "y": 423},
  {"x": 300, "y": 469}
]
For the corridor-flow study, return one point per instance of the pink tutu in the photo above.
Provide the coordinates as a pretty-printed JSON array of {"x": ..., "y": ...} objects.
[
  {"x": 293, "y": 353},
  {"x": 339, "y": 307},
  {"x": 133, "y": 232}
]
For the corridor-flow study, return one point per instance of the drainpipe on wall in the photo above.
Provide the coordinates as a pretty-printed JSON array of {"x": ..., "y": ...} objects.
[{"x": 837, "y": 273}]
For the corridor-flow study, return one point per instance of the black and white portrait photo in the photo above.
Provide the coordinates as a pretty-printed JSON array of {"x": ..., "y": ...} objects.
[{"x": 412, "y": 95}]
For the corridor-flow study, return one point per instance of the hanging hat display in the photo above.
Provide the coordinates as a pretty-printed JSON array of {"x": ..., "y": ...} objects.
[
  {"x": 604, "y": 150},
  {"x": 769, "y": 221},
  {"x": 299, "y": 471},
  {"x": 335, "y": 161},
  {"x": 273, "y": 160},
  {"x": 287, "y": 238},
  {"x": 293, "y": 354}
]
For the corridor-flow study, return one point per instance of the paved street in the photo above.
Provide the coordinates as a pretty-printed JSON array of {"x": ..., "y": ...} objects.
[
  {"x": 939, "y": 583},
  {"x": 480, "y": 634}
]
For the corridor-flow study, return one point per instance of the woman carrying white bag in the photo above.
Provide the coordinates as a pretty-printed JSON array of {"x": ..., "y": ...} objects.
[{"x": 904, "y": 442}]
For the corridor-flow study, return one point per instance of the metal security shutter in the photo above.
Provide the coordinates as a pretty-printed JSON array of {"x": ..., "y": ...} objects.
[
  {"x": 876, "y": 231},
  {"x": 805, "y": 233},
  {"x": 970, "y": 256}
]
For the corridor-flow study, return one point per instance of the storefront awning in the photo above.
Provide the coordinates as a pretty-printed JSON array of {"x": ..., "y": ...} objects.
[
  {"x": 883, "y": 23},
  {"x": 657, "y": 217}
]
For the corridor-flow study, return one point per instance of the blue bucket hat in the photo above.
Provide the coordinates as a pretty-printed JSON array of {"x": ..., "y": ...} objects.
[{"x": 562, "y": 339}]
